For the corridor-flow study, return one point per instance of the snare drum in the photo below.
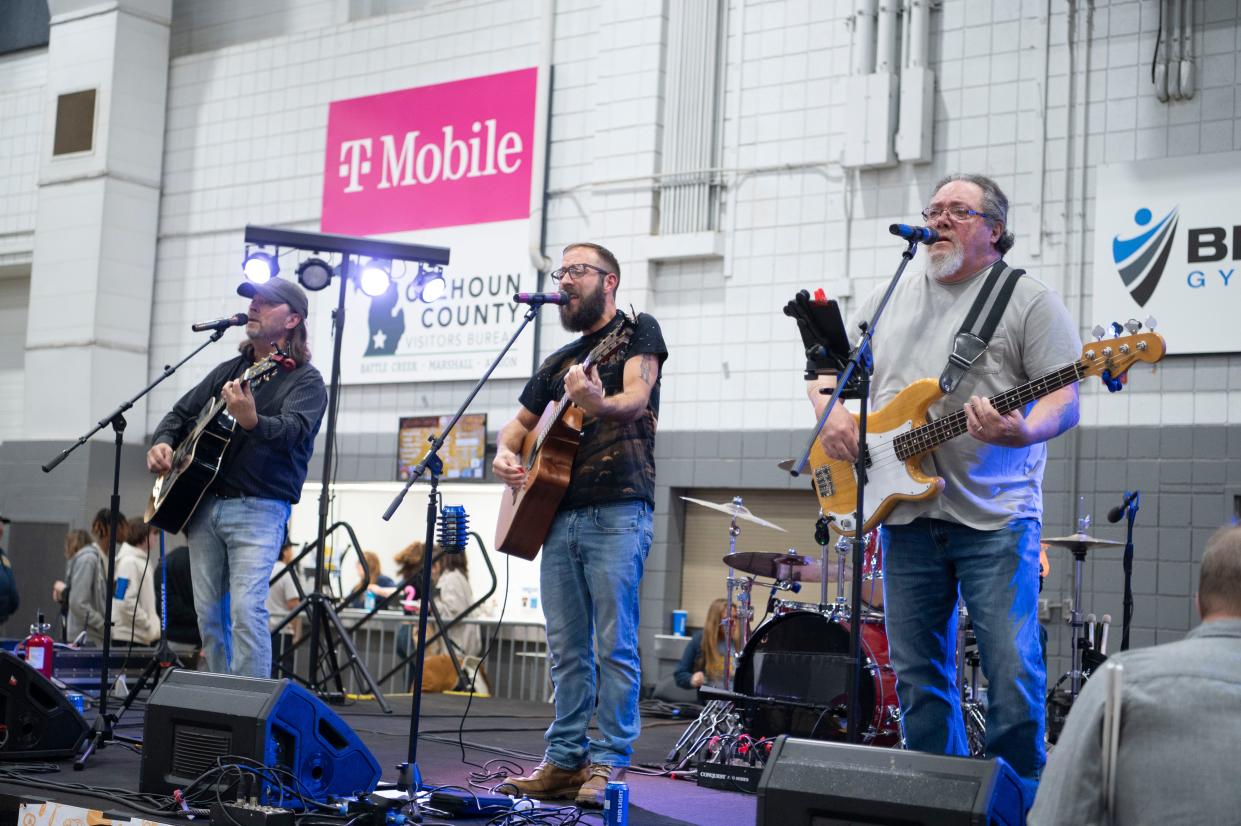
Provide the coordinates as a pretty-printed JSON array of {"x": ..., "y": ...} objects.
[{"x": 802, "y": 656}]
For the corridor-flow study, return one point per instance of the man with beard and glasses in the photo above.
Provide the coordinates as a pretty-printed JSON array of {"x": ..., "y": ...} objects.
[
  {"x": 980, "y": 537},
  {"x": 236, "y": 530},
  {"x": 594, "y": 554}
]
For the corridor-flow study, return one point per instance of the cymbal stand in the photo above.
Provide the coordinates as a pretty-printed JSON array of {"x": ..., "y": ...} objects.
[
  {"x": 1075, "y": 621},
  {"x": 745, "y": 612}
]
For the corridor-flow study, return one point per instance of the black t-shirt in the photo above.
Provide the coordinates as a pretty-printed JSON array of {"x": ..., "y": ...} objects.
[{"x": 616, "y": 460}]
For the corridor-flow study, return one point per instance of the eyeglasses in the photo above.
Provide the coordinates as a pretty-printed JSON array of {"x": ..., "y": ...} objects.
[
  {"x": 957, "y": 213},
  {"x": 576, "y": 271}
]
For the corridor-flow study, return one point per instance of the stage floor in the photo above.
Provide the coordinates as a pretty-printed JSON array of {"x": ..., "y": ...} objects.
[{"x": 513, "y": 725}]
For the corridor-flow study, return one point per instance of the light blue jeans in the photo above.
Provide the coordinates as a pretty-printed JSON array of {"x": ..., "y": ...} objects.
[
  {"x": 924, "y": 564},
  {"x": 233, "y": 546},
  {"x": 592, "y": 567}
]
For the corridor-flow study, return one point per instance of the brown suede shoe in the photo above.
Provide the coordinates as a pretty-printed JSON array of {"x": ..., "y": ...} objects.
[
  {"x": 547, "y": 782},
  {"x": 592, "y": 790}
]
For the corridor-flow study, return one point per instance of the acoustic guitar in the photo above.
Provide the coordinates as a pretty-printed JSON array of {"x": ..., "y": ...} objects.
[
  {"x": 196, "y": 461},
  {"x": 898, "y": 435},
  {"x": 548, "y": 451}
]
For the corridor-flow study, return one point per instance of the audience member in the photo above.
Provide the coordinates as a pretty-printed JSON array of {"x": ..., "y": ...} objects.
[
  {"x": 379, "y": 584},
  {"x": 135, "y": 620},
  {"x": 1180, "y": 733},
  {"x": 702, "y": 661},
  {"x": 282, "y": 597},
  {"x": 87, "y": 589},
  {"x": 8, "y": 583},
  {"x": 453, "y": 595},
  {"x": 75, "y": 540}
]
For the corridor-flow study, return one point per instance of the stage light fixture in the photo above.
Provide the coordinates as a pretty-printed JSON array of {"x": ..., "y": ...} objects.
[
  {"x": 375, "y": 277},
  {"x": 314, "y": 274},
  {"x": 259, "y": 266},
  {"x": 429, "y": 284}
]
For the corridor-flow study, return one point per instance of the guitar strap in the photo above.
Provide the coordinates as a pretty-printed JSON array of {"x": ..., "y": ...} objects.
[{"x": 971, "y": 340}]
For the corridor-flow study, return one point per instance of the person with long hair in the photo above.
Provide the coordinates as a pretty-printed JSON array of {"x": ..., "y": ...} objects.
[
  {"x": 75, "y": 540},
  {"x": 87, "y": 587},
  {"x": 702, "y": 661},
  {"x": 237, "y": 528}
]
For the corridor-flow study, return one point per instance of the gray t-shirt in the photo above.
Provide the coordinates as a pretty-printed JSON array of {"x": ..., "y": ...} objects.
[{"x": 986, "y": 486}]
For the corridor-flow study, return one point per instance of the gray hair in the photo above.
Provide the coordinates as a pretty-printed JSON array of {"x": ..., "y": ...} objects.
[
  {"x": 1219, "y": 583},
  {"x": 994, "y": 204}
]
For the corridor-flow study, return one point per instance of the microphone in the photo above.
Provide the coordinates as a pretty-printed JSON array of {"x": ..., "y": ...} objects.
[
  {"x": 220, "y": 323},
  {"x": 1090, "y": 628},
  {"x": 542, "y": 298},
  {"x": 454, "y": 528},
  {"x": 1107, "y": 625},
  {"x": 1115, "y": 513},
  {"x": 924, "y": 235}
]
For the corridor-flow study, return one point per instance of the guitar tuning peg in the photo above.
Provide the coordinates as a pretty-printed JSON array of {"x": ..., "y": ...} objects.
[
  {"x": 1132, "y": 326},
  {"x": 1150, "y": 323},
  {"x": 1098, "y": 332},
  {"x": 1116, "y": 329}
]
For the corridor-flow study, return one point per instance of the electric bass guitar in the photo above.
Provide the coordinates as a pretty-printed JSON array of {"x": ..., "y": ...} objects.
[
  {"x": 196, "y": 461},
  {"x": 898, "y": 435},
  {"x": 548, "y": 451}
]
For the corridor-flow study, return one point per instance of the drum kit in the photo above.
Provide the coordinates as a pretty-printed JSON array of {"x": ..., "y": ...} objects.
[{"x": 789, "y": 675}]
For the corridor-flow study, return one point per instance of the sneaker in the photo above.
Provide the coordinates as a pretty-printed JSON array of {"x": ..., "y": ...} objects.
[
  {"x": 591, "y": 792},
  {"x": 547, "y": 782}
]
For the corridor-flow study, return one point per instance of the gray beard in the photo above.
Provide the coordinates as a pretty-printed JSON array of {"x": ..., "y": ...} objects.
[{"x": 945, "y": 265}]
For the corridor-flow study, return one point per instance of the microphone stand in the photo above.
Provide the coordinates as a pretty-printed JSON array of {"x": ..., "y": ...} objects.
[
  {"x": 859, "y": 363},
  {"x": 102, "y": 732},
  {"x": 1131, "y": 512},
  {"x": 410, "y": 778}
]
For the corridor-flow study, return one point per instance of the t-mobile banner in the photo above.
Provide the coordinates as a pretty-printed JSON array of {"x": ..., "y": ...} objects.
[
  {"x": 445, "y": 165},
  {"x": 435, "y": 156}
]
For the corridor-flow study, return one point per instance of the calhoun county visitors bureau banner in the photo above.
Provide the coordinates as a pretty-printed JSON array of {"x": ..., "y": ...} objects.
[
  {"x": 1168, "y": 245},
  {"x": 445, "y": 165}
]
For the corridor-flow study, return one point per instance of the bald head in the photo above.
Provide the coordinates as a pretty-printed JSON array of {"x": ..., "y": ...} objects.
[{"x": 1219, "y": 588}]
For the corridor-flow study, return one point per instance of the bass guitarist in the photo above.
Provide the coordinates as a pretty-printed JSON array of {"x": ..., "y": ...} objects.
[
  {"x": 237, "y": 528},
  {"x": 981, "y": 535},
  {"x": 594, "y": 553}
]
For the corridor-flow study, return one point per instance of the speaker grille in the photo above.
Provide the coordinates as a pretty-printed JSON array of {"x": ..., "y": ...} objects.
[{"x": 195, "y": 749}]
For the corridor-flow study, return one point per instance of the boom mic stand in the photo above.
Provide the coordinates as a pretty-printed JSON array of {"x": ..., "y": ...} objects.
[
  {"x": 858, "y": 365},
  {"x": 102, "y": 732},
  {"x": 410, "y": 780},
  {"x": 1130, "y": 509}
]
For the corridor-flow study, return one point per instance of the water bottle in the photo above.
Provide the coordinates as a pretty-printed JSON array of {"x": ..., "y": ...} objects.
[
  {"x": 616, "y": 804},
  {"x": 369, "y": 601}
]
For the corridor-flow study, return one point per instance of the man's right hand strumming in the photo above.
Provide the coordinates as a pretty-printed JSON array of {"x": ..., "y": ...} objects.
[
  {"x": 159, "y": 458},
  {"x": 508, "y": 467}
]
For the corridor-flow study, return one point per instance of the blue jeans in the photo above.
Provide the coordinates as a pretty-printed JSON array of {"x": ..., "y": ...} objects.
[
  {"x": 592, "y": 566},
  {"x": 924, "y": 564},
  {"x": 233, "y": 546}
]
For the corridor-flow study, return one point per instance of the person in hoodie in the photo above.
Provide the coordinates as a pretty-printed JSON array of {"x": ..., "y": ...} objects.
[
  {"x": 87, "y": 589},
  {"x": 135, "y": 620}
]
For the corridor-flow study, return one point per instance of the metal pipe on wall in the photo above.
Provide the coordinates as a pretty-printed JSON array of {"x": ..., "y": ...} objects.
[
  {"x": 885, "y": 36},
  {"x": 1187, "y": 51},
  {"x": 864, "y": 37},
  {"x": 1173, "y": 52},
  {"x": 1161, "y": 54}
]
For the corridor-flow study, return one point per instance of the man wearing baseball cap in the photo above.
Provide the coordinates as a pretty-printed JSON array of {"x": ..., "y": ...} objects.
[{"x": 236, "y": 530}]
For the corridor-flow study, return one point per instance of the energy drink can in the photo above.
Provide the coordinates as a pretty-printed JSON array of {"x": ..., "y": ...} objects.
[{"x": 616, "y": 804}]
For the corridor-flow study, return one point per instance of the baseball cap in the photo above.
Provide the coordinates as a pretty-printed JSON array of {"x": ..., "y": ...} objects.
[{"x": 277, "y": 291}]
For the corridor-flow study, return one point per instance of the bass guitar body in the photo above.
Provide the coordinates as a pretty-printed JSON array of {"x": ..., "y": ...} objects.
[{"x": 526, "y": 513}]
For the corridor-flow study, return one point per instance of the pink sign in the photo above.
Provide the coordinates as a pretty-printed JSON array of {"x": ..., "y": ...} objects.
[{"x": 436, "y": 156}]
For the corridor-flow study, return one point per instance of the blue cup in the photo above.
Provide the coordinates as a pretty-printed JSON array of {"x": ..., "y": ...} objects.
[{"x": 680, "y": 620}]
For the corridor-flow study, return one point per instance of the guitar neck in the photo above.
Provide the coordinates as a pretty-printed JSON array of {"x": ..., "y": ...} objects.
[
  {"x": 559, "y": 411},
  {"x": 933, "y": 434}
]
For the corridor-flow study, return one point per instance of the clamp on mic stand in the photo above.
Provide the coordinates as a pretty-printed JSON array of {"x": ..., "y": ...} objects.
[
  {"x": 102, "y": 732},
  {"x": 859, "y": 366},
  {"x": 409, "y": 779}
]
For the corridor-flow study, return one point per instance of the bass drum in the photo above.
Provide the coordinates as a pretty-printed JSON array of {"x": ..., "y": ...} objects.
[{"x": 803, "y": 657}]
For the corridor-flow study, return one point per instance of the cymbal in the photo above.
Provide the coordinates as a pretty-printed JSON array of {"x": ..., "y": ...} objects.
[
  {"x": 1079, "y": 540},
  {"x": 790, "y": 567},
  {"x": 739, "y": 511}
]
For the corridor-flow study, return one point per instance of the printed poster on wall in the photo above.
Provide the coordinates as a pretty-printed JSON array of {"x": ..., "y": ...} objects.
[
  {"x": 445, "y": 165},
  {"x": 1167, "y": 245}
]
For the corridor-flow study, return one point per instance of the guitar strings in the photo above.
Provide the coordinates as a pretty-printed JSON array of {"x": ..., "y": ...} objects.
[{"x": 927, "y": 436}]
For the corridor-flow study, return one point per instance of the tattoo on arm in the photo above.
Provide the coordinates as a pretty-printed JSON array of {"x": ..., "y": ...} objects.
[{"x": 645, "y": 368}]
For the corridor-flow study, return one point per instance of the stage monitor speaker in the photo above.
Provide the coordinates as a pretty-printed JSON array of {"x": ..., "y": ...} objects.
[
  {"x": 817, "y": 783},
  {"x": 195, "y": 718},
  {"x": 39, "y": 721}
]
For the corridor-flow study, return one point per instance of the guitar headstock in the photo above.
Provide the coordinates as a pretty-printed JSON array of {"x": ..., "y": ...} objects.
[
  {"x": 1116, "y": 355},
  {"x": 613, "y": 343},
  {"x": 265, "y": 367}
]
